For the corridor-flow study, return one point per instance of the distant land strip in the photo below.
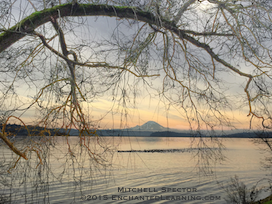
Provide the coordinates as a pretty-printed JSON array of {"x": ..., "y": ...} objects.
[
  {"x": 256, "y": 134},
  {"x": 18, "y": 130}
]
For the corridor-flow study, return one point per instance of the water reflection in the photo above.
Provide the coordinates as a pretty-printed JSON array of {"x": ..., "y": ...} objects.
[
  {"x": 67, "y": 170},
  {"x": 70, "y": 173},
  {"x": 150, "y": 139}
]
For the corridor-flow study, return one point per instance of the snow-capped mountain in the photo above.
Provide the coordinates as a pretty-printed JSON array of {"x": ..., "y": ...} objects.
[{"x": 149, "y": 126}]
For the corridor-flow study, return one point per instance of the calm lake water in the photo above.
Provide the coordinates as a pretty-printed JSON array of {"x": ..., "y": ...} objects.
[{"x": 95, "y": 172}]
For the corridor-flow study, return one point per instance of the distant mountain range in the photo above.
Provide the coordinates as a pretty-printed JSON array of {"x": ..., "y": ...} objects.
[
  {"x": 153, "y": 129},
  {"x": 144, "y": 130},
  {"x": 148, "y": 129},
  {"x": 148, "y": 126}
]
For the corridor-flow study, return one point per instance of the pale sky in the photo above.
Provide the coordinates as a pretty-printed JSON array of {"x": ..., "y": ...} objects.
[{"x": 147, "y": 106}]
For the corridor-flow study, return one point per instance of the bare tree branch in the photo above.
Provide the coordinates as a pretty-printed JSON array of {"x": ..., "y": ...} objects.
[
  {"x": 208, "y": 33},
  {"x": 91, "y": 65},
  {"x": 182, "y": 10}
]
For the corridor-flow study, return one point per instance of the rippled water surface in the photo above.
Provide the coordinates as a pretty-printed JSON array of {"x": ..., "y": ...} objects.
[{"x": 129, "y": 170}]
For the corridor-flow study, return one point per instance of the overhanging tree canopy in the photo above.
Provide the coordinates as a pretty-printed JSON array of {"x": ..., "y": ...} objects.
[{"x": 189, "y": 44}]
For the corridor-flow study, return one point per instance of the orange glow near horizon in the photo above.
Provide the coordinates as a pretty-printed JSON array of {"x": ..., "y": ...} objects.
[
  {"x": 106, "y": 116},
  {"x": 170, "y": 118}
]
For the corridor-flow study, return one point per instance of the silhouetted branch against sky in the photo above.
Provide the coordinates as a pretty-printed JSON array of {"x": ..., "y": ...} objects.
[{"x": 204, "y": 62}]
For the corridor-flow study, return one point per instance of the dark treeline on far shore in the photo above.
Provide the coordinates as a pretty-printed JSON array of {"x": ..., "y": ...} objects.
[
  {"x": 177, "y": 134},
  {"x": 180, "y": 134},
  {"x": 19, "y": 130},
  {"x": 14, "y": 129}
]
